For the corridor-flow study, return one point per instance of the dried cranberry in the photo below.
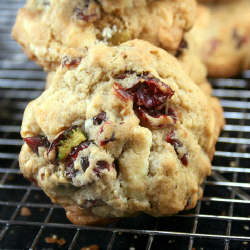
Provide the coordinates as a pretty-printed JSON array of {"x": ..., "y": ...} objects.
[
  {"x": 101, "y": 165},
  {"x": 123, "y": 76},
  {"x": 163, "y": 122},
  {"x": 239, "y": 39},
  {"x": 150, "y": 92},
  {"x": 177, "y": 144},
  {"x": 188, "y": 204},
  {"x": 100, "y": 118},
  {"x": 214, "y": 43},
  {"x": 149, "y": 95},
  {"x": 37, "y": 141},
  {"x": 106, "y": 140},
  {"x": 122, "y": 92},
  {"x": 70, "y": 63},
  {"x": 88, "y": 12},
  {"x": 183, "y": 45},
  {"x": 84, "y": 163},
  {"x": 70, "y": 171},
  {"x": 173, "y": 114},
  {"x": 92, "y": 203}
]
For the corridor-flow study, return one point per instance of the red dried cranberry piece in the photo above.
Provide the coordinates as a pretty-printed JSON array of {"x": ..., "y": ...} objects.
[
  {"x": 239, "y": 39},
  {"x": 173, "y": 114},
  {"x": 213, "y": 45},
  {"x": 84, "y": 163},
  {"x": 100, "y": 118},
  {"x": 150, "y": 92},
  {"x": 87, "y": 13},
  {"x": 183, "y": 45},
  {"x": 177, "y": 144},
  {"x": 123, "y": 76},
  {"x": 184, "y": 160},
  {"x": 70, "y": 63},
  {"x": 106, "y": 141},
  {"x": 149, "y": 95},
  {"x": 188, "y": 204},
  {"x": 122, "y": 92},
  {"x": 101, "y": 165},
  {"x": 93, "y": 203},
  {"x": 37, "y": 141},
  {"x": 70, "y": 170}
]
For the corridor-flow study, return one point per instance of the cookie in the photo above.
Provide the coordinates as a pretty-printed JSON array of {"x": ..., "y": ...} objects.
[
  {"x": 46, "y": 29},
  {"x": 189, "y": 58},
  {"x": 49, "y": 78},
  {"x": 120, "y": 131},
  {"x": 223, "y": 38}
]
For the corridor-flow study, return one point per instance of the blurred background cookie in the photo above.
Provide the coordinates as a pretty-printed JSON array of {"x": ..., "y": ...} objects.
[
  {"x": 46, "y": 29},
  {"x": 222, "y": 31}
]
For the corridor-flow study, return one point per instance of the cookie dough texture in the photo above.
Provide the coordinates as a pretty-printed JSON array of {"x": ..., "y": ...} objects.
[
  {"x": 222, "y": 31},
  {"x": 132, "y": 163},
  {"x": 46, "y": 29}
]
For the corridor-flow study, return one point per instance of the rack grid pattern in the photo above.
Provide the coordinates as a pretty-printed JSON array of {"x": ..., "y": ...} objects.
[{"x": 221, "y": 220}]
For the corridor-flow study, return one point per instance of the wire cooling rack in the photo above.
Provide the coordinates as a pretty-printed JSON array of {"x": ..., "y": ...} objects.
[{"x": 221, "y": 220}]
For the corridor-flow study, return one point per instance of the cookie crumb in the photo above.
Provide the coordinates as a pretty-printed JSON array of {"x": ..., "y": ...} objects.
[
  {"x": 25, "y": 211},
  {"x": 135, "y": 237},
  {"x": 54, "y": 239},
  {"x": 92, "y": 247},
  {"x": 245, "y": 242},
  {"x": 246, "y": 228},
  {"x": 232, "y": 164}
]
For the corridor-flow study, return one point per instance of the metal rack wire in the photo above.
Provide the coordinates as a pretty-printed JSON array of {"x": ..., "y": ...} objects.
[{"x": 221, "y": 220}]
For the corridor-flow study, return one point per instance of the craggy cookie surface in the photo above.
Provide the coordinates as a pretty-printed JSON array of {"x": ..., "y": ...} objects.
[
  {"x": 223, "y": 34},
  {"x": 120, "y": 131},
  {"x": 46, "y": 29}
]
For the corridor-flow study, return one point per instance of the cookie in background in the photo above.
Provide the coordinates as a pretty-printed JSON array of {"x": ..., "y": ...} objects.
[
  {"x": 222, "y": 31},
  {"x": 46, "y": 29}
]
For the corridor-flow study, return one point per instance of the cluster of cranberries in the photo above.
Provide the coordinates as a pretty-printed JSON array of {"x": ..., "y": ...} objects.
[
  {"x": 149, "y": 95},
  {"x": 41, "y": 141},
  {"x": 177, "y": 144}
]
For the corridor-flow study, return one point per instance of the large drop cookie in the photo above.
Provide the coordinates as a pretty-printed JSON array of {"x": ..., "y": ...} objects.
[{"x": 120, "y": 131}]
